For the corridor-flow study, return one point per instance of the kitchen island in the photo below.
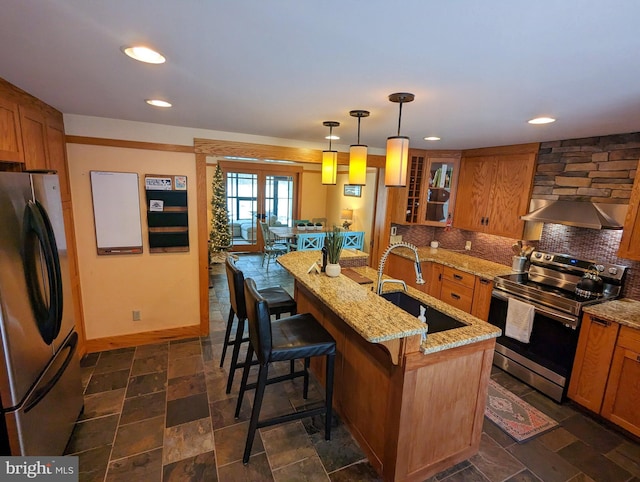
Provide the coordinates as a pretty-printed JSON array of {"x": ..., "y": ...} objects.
[{"x": 415, "y": 407}]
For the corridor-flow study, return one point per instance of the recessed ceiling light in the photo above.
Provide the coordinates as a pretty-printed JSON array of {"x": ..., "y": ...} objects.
[
  {"x": 144, "y": 54},
  {"x": 158, "y": 103},
  {"x": 333, "y": 138},
  {"x": 541, "y": 120},
  {"x": 432, "y": 138}
]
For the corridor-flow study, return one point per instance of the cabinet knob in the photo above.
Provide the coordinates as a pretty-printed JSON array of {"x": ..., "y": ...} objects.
[
  {"x": 457, "y": 276},
  {"x": 455, "y": 296}
]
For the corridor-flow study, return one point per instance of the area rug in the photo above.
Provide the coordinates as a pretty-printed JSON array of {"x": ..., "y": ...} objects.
[{"x": 515, "y": 416}]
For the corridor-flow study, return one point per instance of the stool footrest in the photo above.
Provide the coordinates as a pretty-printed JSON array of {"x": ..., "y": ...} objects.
[
  {"x": 291, "y": 416},
  {"x": 279, "y": 378}
]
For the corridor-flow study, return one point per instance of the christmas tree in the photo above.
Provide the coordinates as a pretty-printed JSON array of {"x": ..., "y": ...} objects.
[{"x": 219, "y": 236}]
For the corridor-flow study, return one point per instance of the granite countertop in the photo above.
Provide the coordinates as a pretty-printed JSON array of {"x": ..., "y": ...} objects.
[
  {"x": 376, "y": 319},
  {"x": 463, "y": 262},
  {"x": 624, "y": 311}
]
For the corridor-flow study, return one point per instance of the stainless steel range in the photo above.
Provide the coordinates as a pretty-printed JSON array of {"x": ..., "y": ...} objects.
[{"x": 551, "y": 286}]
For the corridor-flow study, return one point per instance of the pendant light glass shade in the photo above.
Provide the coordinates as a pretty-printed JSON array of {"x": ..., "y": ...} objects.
[
  {"x": 330, "y": 158},
  {"x": 358, "y": 155},
  {"x": 329, "y": 167},
  {"x": 358, "y": 165},
  {"x": 395, "y": 173}
]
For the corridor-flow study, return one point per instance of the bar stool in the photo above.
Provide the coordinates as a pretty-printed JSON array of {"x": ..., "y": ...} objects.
[
  {"x": 291, "y": 338},
  {"x": 277, "y": 298}
]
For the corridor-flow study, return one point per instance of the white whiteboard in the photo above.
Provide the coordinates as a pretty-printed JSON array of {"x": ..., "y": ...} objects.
[{"x": 116, "y": 212}]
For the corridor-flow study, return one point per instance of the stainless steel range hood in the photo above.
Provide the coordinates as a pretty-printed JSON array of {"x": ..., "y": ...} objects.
[{"x": 577, "y": 213}]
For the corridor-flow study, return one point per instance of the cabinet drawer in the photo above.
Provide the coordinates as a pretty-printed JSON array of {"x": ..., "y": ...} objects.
[
  {"x": 457, "y": 295},
  {"x": 629, "y": 338},
  {"x": 459, "y": 277}
]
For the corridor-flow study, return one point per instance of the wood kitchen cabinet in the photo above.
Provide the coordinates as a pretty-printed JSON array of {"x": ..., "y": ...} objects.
[
  {"x": 596, "y": 344},
  {"x": 34, "y": 138},
  {"x": 630, "y": 242},
  {"x": 482, "y": 298},
  {"x": 429, "y": 196},
  {"x": 10, "y": 132},
  {"x": 458, "y": 288},
  {"x": 494, "y": 188},
  {"x": 623, "y": 388}
]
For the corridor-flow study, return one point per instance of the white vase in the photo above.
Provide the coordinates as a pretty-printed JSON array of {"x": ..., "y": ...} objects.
[{"x": 332, "y": 270}]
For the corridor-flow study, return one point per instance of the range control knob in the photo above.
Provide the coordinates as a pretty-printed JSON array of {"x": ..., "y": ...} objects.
[
  {"x": 613, "y": 271},
  {"x": 538, "y": 255},
  {"x": 600, "y": 268},
  {"x": 547, "y": 257}
]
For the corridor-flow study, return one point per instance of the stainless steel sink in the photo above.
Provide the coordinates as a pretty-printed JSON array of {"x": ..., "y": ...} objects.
[{"x": 436, "y": 320}]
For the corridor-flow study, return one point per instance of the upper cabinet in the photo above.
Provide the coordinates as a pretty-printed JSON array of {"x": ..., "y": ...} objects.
[
  {"x": 31, "y": 135},
  {"x": 10, "y": 133},
  {"x": 494, "y": 189},
  {"x": 429, "y": 195},
  {"x": 630, "y": 242}
]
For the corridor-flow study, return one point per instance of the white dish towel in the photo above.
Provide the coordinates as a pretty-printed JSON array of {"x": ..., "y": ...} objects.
[{"x": 519, "y": 320}]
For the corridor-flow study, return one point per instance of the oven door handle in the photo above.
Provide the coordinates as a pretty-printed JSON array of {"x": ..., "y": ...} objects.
[{"x": 551, "y": 314}]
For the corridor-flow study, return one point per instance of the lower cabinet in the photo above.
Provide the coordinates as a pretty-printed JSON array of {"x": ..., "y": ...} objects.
[
  {"x": 606, "y": 372},
  {"x": 593, "y": 357},
  {"x": 463, "y": 290},
  {"x": 457, "y": 288},
  {"x": 622, "y": 396}
]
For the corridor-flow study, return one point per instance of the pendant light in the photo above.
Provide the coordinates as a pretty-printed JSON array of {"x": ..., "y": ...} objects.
[
  {"x": 397, "y": 148},
  {"x": 330, "y": 158},
  {"x": 358, "y": 155}
]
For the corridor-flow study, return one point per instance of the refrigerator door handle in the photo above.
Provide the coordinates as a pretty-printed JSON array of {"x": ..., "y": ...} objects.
[
  {"x": 37, "y": 228},
  {"x": 40, "y": 393}
]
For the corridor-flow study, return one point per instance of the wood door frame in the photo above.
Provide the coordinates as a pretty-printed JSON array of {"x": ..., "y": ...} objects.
[{"x": 262, "y": 170}]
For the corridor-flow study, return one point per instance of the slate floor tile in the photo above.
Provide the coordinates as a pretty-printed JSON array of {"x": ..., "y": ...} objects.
[
  {"x": 309, "y": 469},
  {"x": 143, "y": 467},
  {"x": 361, "y": 471},
  {"x": 92, "y": 464},
  {"x": 545, "y": 464},
  {"x": 104, "y": 403},
  {"x": 185, "y": 366},
  {"x": 593, "y": 464},
  {"x": 113, "y": 361},
  {"x": 138, "y": 437},
  {"x": 230, "y": 443},
  {"x": 187, "y": 440},
  {"x": 627, "y": 456},
  {"x": 495, "y": 463},
  {"x": 103, "y": 382},
  {"x": 92, "y": 433},
  {"x": 287, "y": 443},
  {"x": 597, "y": 436},
  {"x": 526, "y": 476},
  {"x": 149, "y": 364},
  {"x": 142, "y": 407},
  {"x": 557, "y": 439},
  {"x": 188, "y": 385},
  {"x": 144, "y": 351},
  {"x": 257, "y": 470},
  {"x": 188, "y": 409},
  {"x": 149, "y": 383},
  {"x": 192, "y": 469}
]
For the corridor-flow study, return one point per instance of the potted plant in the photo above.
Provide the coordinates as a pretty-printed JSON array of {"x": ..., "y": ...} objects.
[
  {"x": 318, "y": 226},
  {"x": 333, "y": 241}
]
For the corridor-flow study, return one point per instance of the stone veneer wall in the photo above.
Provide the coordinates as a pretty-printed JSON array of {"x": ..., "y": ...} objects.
[{"x": 597, "y": 169}]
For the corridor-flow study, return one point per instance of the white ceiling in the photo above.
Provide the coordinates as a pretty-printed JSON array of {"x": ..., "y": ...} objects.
[{"x": 479, "y": 68}]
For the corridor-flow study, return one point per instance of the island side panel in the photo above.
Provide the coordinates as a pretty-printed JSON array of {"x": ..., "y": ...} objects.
[{"x": 442, "y": 411}]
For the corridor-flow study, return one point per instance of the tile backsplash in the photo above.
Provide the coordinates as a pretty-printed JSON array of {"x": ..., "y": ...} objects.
[{"x": 580, "y": 242}]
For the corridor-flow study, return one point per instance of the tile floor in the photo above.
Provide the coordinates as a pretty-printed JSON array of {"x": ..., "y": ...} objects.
[{"x": 160, "y": 413}]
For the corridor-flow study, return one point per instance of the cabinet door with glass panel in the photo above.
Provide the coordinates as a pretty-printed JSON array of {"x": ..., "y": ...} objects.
[{"x": 439, "y": 180}]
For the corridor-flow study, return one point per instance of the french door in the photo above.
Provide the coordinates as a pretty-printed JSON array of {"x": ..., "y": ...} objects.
[{"x": 259, "y": 193}]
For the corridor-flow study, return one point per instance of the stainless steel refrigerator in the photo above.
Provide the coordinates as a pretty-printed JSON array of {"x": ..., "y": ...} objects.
[{"x": 40, "y": 384}]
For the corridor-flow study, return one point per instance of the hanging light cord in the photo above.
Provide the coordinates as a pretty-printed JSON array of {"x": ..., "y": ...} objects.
[
  {"x": 359, "y": 117},
  {"x": 399, "y": 118},
  {"x": 330, "y": 135}
]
